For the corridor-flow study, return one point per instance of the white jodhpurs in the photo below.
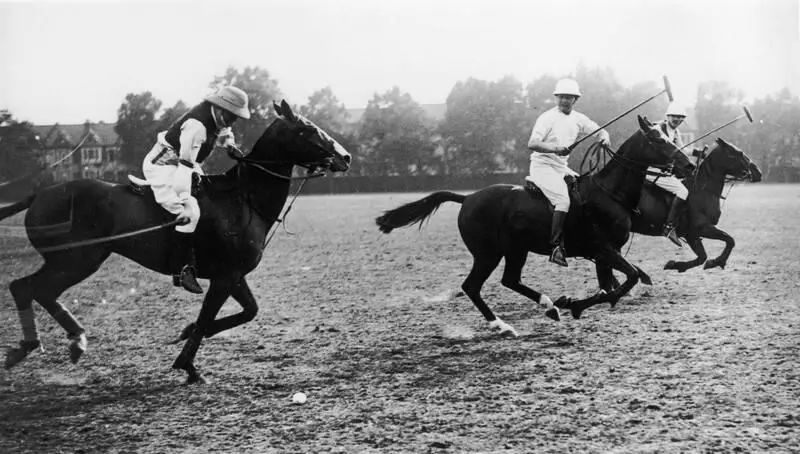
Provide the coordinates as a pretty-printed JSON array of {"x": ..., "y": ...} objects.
[
  {"x": 161, "y": 177},
  {"x": 671, "y": 184},
  {"x": 551, "y": 182}
]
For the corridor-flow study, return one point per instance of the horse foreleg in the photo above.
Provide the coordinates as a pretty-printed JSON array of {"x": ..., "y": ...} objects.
[
  {"x": 614, "y": 259},
  {"x": 713, "y": 233},
  {"x": 242, "y": 294},
  {"x": 512, "y": 279},
  {"x": 605, "y": 276},
  {"x": 696, "y": 244},
  {"x": 218, "y": 292}
]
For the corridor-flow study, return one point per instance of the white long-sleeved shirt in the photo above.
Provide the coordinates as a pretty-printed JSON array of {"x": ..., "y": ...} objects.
[{"x": 560, "y": 129}]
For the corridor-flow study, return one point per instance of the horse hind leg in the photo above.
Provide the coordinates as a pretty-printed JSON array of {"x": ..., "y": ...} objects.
[
  {"x": 483, "y": 265},
  {"x": 512, "y": 279},
  {"x": 45, "y": 286}
]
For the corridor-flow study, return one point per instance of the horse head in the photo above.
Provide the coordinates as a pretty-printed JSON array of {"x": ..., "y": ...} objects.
[
  {"x": 294, "y": 139},
  {"x": 730, "y": 159},
  {"x": 650, "y": 146}
]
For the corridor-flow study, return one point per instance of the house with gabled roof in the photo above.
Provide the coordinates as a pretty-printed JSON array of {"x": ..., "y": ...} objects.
[{"x": 90, "y": 150}]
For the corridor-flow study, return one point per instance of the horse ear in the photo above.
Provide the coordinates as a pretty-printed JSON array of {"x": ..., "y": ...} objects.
[
  {"x": 644, "y": 124},
  {"x": 277, "y": 108},
  {"x": 287, "y": 110}
]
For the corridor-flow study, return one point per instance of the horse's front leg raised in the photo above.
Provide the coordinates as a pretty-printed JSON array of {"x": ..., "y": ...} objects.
[
  {"x": 218, "y": 292},
  {"x": 615, "y": 260},
  {"x": 697, "y": 247},
  {"x": 713, "y": 233}
]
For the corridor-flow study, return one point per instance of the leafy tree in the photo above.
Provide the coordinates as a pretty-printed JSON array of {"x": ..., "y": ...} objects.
[
  {"x": 171, "y": 115},
  {"x": 773, "y": 141},
  {"x": 396, "y": 136},
  {"x": 20, "y": 153},
  {"x": 327, "y": 112},
  {"x": 484, "y": 126},
  {"x": 136, "y": 126}
]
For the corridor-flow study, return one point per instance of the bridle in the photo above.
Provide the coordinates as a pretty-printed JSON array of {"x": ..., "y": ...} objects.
[{"x": 315, "y": 169}]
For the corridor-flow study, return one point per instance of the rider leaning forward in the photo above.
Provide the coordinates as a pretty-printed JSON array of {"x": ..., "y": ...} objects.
[
  {"x": 674, "y": 117},
  {"x": 177, "y": 154},
  {"x": 554, "y": 131}
]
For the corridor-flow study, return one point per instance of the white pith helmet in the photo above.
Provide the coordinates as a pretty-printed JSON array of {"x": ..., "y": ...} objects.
[
  {"x": 567, "y": 87},
  {"x": 676, "y": 109},
  {"x": 232, "y": 99}
]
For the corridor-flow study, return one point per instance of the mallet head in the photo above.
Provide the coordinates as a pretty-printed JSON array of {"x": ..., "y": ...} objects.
[
  {"x": 747, "y": 113},
  {"x": 668, "y": 89}
]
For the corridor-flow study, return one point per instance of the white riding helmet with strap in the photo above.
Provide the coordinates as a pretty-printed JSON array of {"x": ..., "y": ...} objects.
[
  {"x": 567, "y": 87},
  {"x": 232, "y": 99}
]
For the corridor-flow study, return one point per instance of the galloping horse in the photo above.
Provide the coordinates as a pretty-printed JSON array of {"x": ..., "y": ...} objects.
[
  {"x": 506, "y": 221},
  {"x": 703, "y": 209},
  {"x": 238, "y": 209}
]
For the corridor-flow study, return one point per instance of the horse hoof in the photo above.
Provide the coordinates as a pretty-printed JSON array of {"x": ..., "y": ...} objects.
[
  {"x": 562, "y": 302},
  {"x": 197, "y": 380},
  {"x": 184, "y": 334},
  {"x": 576, "y": 312},
  {"x": 16, "y": 355},
  {"x": 709, "y": 264},
  {"x": 77, "y": 347},
  {"x": 671, "y": 265},
  {"x": 553, "y": 314},
  {"x": 504, "y": 328}
]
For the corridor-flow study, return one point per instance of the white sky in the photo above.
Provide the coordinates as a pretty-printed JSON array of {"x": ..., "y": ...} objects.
[{"x": 68, "y": 62}]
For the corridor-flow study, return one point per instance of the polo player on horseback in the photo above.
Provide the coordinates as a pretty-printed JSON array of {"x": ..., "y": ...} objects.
[
  {"x": 674, "y": 117},
  {"x": 554, "y": 131},
  {"x": 177, "y": 154}
]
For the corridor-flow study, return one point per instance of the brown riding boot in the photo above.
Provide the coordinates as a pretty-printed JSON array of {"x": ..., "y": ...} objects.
[
  {"x": 669, "y": 226},
  {"x": 559, "y": 257},
  {"x": 183, "y": 264}
]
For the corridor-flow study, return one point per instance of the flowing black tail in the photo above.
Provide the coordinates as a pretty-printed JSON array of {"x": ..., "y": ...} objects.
[
  {"x": 415, "y": 212},
  {"x": 17, "y": 207}
]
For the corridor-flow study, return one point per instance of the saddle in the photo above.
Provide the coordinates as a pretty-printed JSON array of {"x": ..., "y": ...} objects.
[
  {"x": 141, "y": 187},
  {"x": 572, "y": 187}
]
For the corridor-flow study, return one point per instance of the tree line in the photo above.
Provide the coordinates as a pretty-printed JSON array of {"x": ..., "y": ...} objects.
[{"x": 485, "y": 128}]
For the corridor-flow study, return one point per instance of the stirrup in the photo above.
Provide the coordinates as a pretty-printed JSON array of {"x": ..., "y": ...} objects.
[
  {"x": 557, "y": 256},
  {"x": 671, "y": 235},
  {"x": 187, "y": 280}
]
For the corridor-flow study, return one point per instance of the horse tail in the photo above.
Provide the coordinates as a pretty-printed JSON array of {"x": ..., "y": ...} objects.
[
  {"x": 22, "y": 205},
  {"x": 415, "y": 212}
]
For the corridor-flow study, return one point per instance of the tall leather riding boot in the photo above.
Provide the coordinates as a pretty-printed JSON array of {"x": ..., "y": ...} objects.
[
  {"x": 183, "y": 263},
  {"x": 672, "y": 219},
  {"x": 558, "y": 256}
]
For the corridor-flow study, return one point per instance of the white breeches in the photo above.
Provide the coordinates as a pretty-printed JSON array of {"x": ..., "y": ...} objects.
[
  {"x": 551, "y": 181},
  {"x": 672, "y": 184},
  {"x": 161, "y": 178}
]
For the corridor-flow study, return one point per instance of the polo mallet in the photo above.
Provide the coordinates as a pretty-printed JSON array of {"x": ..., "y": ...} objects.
[
  {"x": 746, "y": 115},
  {"x": 667, "y": 89}
]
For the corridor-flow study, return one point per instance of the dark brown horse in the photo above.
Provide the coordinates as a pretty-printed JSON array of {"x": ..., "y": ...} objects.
[
  {"x": 699, "y": 220},
  {"x": 506, "y": 221},
  {"x": 238, "y": 209}
]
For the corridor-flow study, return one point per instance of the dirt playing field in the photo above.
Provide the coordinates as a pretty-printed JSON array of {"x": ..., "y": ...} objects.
[{"x": 367, "y": 325}]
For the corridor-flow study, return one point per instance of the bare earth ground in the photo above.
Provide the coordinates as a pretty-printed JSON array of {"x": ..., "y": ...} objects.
[{"x": 365, "y": 325}]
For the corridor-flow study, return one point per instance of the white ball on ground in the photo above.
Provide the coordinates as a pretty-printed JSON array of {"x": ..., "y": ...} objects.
[{"x": 299, "y": 398}]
